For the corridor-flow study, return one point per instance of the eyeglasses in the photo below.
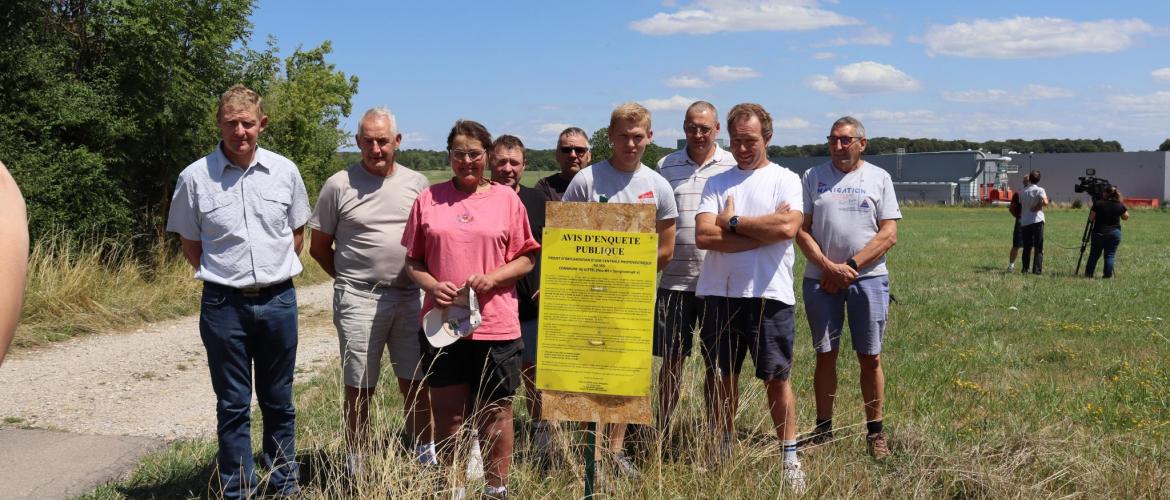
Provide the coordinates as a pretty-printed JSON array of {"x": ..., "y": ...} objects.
[
  {"x": 573, "y": 149},
  {"x": 691, "y": 128},
  {"x": 844, "y": 141},
  {"x": 468, "y": 155}
]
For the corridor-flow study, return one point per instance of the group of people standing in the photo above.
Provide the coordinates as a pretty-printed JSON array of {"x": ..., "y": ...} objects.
[
  {"x": 399, "y": 248},
  {"x": 1105, "y": 217}
]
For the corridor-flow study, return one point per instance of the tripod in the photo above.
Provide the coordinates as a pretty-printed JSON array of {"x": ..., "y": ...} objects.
[{"x": 1085, "y": 237}]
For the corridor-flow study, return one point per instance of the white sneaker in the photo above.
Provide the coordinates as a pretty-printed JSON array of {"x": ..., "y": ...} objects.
[
  {"x": 794, "y": 478},
  {"x": 475, "y": 460},
  {"x": 1011, "y": 268}
]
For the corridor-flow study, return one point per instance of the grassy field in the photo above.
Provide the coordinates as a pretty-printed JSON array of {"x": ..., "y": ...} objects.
[{"x": 998, "y": 385}]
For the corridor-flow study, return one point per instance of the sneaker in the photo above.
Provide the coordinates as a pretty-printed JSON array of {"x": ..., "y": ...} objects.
[
  {"x": 475, "y": 461},
  {"x": 490, "y": 493},
  {"x": 1011, "y": 268},
  {"x": 623, "y": 466},
  {"x": 877, "y": 446},
  {"x": 794, "y": 478}
]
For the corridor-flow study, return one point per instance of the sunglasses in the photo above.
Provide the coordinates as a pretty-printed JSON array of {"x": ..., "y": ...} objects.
[{"x": 570, "y": 149}]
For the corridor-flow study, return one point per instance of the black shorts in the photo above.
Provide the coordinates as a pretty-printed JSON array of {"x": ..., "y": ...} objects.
[
  {"x": 1017, "y": 239},
  {"x": 676, "y": 313},
  {"x": 491, "y": 368},
  {"x": 732, "y": 327}
]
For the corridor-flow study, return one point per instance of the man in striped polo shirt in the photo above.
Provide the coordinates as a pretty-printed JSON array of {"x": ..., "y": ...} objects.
[{"x": 678, "y": 310}]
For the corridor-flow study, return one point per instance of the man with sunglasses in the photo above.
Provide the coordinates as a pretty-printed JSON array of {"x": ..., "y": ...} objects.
[
  {"x": 572, "y": 155},
  {"x": 850, "y": 222},
  {"x": 678, "y": 310}
]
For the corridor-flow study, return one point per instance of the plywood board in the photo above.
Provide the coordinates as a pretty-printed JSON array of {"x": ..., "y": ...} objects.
[{"x": 584, "y": 407}]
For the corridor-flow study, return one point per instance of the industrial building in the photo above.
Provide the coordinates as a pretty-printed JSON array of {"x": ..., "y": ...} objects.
[{"x": 951, "y": 177}]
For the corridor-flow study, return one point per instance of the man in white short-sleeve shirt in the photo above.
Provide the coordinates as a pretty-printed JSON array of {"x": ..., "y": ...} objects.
[
  {"x": 746, "y": 221},
  {"x": 850, "y": 222},
  {"x": 357, "y": 228},
  {"x": 624, "y": 179},
  {"x": 677, "y": 309}
]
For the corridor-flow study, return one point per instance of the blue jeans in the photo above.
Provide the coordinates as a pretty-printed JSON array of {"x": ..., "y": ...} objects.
[
  {"x": 240, "y": 331},
  {"x": 1107, "y": 242}
]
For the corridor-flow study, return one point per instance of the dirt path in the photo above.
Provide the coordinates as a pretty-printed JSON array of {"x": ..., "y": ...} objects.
[{"x": 152, "y": 382}]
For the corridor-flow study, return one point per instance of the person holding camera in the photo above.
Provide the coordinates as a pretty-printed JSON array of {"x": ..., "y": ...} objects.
[
  {"x": 1033, "y": 199},
  {"x": 1106, "y": 216}
]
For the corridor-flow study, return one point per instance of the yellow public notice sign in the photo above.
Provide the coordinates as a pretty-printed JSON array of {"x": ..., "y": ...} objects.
[{"x": 596, "y": 311}]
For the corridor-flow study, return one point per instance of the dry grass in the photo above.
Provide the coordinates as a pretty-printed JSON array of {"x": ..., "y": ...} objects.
[{"x": 84, "y": 288}]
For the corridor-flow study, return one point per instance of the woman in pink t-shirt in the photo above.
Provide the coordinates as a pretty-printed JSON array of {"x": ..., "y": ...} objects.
[{"x": 471, "y": 232}]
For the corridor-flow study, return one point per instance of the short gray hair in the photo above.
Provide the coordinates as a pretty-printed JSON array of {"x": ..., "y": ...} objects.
[
  {"x": 703, "y": 106},
  {"x": 380, "y": 112},
  {"x": 858, "y": 128},
  {"x": 572, "y": 131}
]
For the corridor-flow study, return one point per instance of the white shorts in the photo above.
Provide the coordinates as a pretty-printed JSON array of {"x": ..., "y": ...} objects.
[{"x": 369, "y": 322}]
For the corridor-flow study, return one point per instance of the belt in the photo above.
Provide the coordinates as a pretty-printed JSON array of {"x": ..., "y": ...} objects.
[{"x": 254, "y": 291}]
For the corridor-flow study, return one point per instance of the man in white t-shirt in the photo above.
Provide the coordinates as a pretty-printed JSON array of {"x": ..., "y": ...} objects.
[
  {"x": 850, "y": 222},
  {"x": 1033, "y": 199},
  {"x": 678, "y": 310},
  {"x": 357, "y": 229},
  {"x": 624, "y": 179},
  {"x": 746, "y": 223}
]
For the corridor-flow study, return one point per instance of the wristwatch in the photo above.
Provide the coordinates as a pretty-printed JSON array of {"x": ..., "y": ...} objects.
[
  {"x": 851, "y": 263},
  {"x": 732, "y": 222}
]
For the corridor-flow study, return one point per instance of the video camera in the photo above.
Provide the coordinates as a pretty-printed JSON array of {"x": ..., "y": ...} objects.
[{"x": 1095, "y": 186}]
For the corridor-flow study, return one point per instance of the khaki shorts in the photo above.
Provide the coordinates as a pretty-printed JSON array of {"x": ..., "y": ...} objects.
[{"x": 369, "y": 322}]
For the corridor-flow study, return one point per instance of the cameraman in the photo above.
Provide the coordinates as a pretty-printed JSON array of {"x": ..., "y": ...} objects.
[
  {"x": 1106, "y": 215},
  {"x": 1033, "y": 199}
]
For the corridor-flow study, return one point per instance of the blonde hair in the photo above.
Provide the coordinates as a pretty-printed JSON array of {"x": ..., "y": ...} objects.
[
  {"x": 240, "y": 97},
  {"x": 630, "y": 111}
]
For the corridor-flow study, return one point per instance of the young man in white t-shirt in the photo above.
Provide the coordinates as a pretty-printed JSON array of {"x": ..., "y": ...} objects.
[
  {"x": 624, "y": 179},
  {"x": 746, "y": 223}
]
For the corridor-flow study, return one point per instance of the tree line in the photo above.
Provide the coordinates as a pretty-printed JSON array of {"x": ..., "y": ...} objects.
[
  {"x": 545, "y": 159},
  {"x": 105, "y": 101}
]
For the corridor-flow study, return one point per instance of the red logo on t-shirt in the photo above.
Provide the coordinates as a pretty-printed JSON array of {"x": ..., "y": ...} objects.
[{"x": 648, "y": 195}]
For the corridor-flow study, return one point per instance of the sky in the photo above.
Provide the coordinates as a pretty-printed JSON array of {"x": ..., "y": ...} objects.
[{"x": 987, "y": 70}]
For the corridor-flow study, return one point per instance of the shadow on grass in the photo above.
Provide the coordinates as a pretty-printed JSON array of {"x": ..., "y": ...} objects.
[{"x": 318, "y": 471}]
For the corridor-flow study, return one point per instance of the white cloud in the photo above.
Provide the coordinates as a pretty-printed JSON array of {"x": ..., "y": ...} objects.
[
  {"x": 908, "y": 117},
  {"x": 553, "y": 128},
  {"x": 676, "y": 102},
  {"x": 704, "y": 17},
  {"x": 686, "y": 82},
  {"x": 863, "y": 78},
  {"x": 1157, "y": 103},
  {"x": 790, "y": 123},
  {"x": 731, "y": 73},
  {"x": 1036, "y": 91},
  {"x": 714, "y": 74},
  {"x": 868, "y": 36},
  {"x": 1028, "y": 37},
  {"x": 823, "y": 55},
  {"x": 1161, "y": 75},
  {"x": 1029, "y": 93}
]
